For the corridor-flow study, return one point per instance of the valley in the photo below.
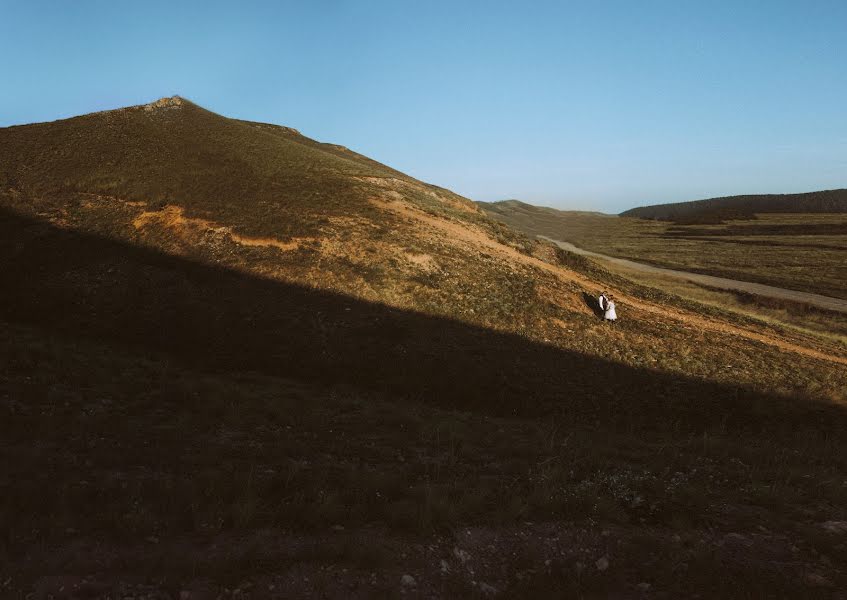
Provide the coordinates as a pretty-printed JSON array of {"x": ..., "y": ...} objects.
[{"x": 803, "y": 252}]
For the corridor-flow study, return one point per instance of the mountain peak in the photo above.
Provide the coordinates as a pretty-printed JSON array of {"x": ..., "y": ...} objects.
[{"x": 165, "y": 103}]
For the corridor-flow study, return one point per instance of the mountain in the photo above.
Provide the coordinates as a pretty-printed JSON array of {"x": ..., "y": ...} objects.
[
  {"x": 232, "y": 357},
  {"x": 714, "y": 210},
  {"x": 173, "y": 176},
  {"x": 259, "y": 179}
]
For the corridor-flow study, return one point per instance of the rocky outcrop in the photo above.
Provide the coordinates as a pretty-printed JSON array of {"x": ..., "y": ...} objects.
[{"x": 164, "y": 103}]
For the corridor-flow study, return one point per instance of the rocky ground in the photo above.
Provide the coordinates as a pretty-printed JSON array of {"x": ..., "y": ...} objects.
[{"x": 527, "y": 560}]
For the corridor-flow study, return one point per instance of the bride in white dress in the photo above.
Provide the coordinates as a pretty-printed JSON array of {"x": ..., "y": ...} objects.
[{"x": 610, "y": 314}]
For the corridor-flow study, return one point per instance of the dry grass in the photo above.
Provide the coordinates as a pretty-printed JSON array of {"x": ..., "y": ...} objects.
[
  {"x": 827, "y": 325},
  {"x": 133, "y": 448}
]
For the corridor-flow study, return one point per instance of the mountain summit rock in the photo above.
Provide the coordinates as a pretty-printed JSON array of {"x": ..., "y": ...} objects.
[{"x": 171, "y": 102}]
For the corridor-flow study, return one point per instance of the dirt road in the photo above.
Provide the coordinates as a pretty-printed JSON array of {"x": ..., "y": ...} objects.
[{"x": 760, "y": 289}]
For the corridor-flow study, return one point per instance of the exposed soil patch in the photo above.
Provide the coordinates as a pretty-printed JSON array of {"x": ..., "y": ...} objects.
[
  {"x": 424, "y": 261},
  {"x": 173, "y": 217}
]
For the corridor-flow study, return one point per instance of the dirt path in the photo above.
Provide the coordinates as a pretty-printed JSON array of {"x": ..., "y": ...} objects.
[
  {"x": 479, "y": 238},
  {"x": 826, "y": 302}
]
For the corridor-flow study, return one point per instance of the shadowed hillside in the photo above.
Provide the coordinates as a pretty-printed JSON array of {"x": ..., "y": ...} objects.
[
  {"x": 245, "y": 378},
  {"x": 236, "y": 358}
]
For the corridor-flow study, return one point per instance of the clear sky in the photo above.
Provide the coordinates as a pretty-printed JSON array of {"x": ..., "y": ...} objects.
[{"x": 598, "y": 105}]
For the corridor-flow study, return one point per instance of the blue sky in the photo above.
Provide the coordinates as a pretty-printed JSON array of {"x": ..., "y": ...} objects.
[{"x": 588, "y": 105}]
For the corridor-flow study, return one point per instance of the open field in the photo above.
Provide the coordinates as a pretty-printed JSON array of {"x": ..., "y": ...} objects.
[{"x": 805, "y": 252}]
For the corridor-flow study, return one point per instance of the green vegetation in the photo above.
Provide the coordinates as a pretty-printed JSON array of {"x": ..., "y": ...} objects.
[{"x": 806, "y": 252}]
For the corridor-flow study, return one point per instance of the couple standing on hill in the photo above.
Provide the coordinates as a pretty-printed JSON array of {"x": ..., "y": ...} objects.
[{"x": 607, "y": 306}]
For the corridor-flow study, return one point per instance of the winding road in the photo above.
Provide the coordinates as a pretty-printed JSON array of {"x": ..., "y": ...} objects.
[{"x": 826, "y": 302}]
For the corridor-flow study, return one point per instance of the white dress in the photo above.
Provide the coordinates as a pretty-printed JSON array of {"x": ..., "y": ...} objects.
[{"x": 610, "y": 315}]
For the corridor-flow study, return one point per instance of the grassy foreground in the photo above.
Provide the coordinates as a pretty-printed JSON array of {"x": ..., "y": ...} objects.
[
  {"x": 472, "y": 457},
  {"x": 148, "y": 475}
]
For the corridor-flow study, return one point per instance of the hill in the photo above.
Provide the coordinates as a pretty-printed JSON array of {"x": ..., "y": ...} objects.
[
  {"x": 260, "y": 179},
  {"x": 236, "y": 358},
  {"x": 717, "y": 210}
]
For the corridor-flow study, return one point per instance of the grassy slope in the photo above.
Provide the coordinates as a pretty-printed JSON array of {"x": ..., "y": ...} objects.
[
  {"x": 410, "y": 370},
  {"x": 137, "y": 447},
  {"x": 806, "y": 252},
  {"x": 261, "y": 179}
]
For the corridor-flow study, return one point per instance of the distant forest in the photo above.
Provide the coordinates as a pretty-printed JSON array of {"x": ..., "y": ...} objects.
[{"x": 717, "y": 210}]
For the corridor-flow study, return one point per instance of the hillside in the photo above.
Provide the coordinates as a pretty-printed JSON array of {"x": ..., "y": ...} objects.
[
  {"x": 716, "y": 210},
  {"x": 260, "y": 179},
  {"x": 236, "y": 358}
]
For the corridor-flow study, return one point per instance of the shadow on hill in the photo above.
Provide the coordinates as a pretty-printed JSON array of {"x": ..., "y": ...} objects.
[{"x": 212, "y": 318}]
